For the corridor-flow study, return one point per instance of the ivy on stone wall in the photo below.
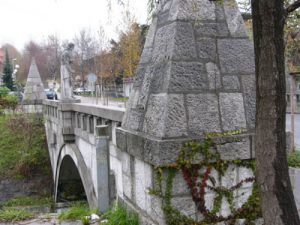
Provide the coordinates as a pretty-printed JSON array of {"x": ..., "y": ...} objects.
[{"x": 196, "y": 162}]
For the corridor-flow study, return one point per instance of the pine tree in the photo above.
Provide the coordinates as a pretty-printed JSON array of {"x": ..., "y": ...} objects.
[{"x": 7, "y": 72}]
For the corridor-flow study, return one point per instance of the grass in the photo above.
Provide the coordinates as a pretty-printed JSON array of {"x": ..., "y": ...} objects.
[
  {"x": 294, "y": 159},
  {"x": 120, "y": 99},
  {"x": 28, "y": 201},
  {"x": 121, "y": 216},
  {"x": 77, "y": 212},
  {"x": 13, "y": 215},
  {"x": 86, "y": 94},
  {"x": 23, "y": 146},
  {"x": 116, "y": 216}
]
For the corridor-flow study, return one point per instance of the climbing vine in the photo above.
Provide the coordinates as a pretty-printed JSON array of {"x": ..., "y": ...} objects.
[{"x": 198, "y": 162}]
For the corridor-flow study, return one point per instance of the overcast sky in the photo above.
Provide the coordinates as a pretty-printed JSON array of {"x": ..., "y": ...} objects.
[{"x": 24, "y": 20}]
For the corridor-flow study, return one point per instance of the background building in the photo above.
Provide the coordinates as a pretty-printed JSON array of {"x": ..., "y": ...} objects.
[{"x": 2, "y": 54}]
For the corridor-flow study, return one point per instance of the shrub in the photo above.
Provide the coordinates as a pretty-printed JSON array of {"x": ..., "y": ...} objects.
[
  {"x": 294, "y": 159},
  {"x": 121, "y": 216},
  {"x": 4, "y": 91}
]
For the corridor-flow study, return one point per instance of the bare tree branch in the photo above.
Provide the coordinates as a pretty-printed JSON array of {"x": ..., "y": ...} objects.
[{"x": 292, "y": 7}]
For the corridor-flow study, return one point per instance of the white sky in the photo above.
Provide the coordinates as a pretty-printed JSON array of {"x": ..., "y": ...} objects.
[{"x": 24, "y": 20}]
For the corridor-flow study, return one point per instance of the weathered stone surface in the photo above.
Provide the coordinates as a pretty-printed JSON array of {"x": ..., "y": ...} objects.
[
  {"x": 235, "y": 150},
  {"x": 214, "y": 174},
  {"x": 231, "y": 83},
  {"x": 222, "y": 30},
  {"x": 135, "y": 145},
  {"x": 163, "y": 19},
  {"x": 236, "y": 56},
  {"x": 145, "y": 220},
  {"x": 248, "y": 83},
  {"x": 213, "y": 74},
  {"x": 232, "y": 111},
  {"x": 139, "y": 76},
  {"x": 126, "y": 167},
  {"x": 180, "y": 186},
  {"x": 192, "y": 10},
  {"x": 225, "y": 207},
  {"x": 203, "y": 29},
  {"x": 161, "y": 153},
  {"x": 234, "y": 19},
  {"x": 127, "y": 186},
  {"x": 209, "y": 200},
  {"x": 162, "y": 111},
  {"x": 134, "y": 120},
  {"x": 244, "y": 173},
  {"x": 176, "y": 120},
  {"x": 151, "y": 34},
  {"x": 143, "y": 181},
  {"x": 121, "y": 139},
  {"x": 187, "y": 76},
  {"x": 161, "y": 75},
  {"x": 145, "y": 89},
  {"x": 207, "y": 48},
  {"x": 163, "y": 6},
  {"x": 155, "y": 115},
  {"x": 185, "y": 205},
  {"x": 203, "y": 113},
  {"x": 170, "y": 46},
  {"x": 146, "y": 55},
  {"x": 184, "y": 45},
  {"x": 230, "y": 177},
  {"x": 164, "y": 43},
  {"x": 156, "y": 211},
  {"x": 220, "y": 15},
  {"x": 242, "y": 196}
]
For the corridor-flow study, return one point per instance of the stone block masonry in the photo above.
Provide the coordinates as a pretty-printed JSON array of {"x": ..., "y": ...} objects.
[{"x": 196, "y": 77}]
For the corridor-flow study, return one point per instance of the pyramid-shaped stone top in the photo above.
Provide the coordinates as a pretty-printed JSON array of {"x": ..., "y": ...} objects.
[
  {"x": 34, "y": 89},
  {"x": 196, "y": 73}
]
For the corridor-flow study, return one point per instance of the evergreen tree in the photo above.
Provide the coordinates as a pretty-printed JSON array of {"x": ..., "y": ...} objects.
[{"x": 7, "y": 72}]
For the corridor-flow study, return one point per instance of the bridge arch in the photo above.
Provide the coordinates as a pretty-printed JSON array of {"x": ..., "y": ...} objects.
[{"x": 70, "y": 158}]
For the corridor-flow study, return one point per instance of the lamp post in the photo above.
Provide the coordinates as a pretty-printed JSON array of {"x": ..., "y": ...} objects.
[{"x": 15, "y": 70}]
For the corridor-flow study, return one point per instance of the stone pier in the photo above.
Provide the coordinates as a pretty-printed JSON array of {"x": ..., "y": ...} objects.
[
  {"x": 34, "y": 93},
  {"x": 195, "y": 79}
]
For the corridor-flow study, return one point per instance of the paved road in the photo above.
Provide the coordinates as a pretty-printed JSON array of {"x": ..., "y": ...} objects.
[
  {"x": 297, "y": 128},
  {"x": 104, "y": 102}
]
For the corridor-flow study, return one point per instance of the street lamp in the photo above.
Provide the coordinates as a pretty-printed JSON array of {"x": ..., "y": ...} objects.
[{"x": 15, "y": 70}]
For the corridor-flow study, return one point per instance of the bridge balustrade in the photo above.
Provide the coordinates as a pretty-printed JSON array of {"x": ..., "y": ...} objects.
[
  {"x": 81, "y": 119},
  {"x": 87, "y": 134}
]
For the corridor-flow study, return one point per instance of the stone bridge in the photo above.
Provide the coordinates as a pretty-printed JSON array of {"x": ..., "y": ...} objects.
[{"x": 79, "y": 136}]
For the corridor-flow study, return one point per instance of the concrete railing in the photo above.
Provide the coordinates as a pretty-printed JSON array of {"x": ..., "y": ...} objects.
[{"x": 82, "y": 119}]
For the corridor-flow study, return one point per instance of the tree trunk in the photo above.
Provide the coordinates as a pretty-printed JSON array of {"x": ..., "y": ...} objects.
[{"x": 278, "y": 203}]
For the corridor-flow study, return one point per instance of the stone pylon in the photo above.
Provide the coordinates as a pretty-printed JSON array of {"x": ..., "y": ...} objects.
[
  {"x": 196, "y": 76},
  {"x": 34, "y": 89},
  {"x": 196, "y": 73}
]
